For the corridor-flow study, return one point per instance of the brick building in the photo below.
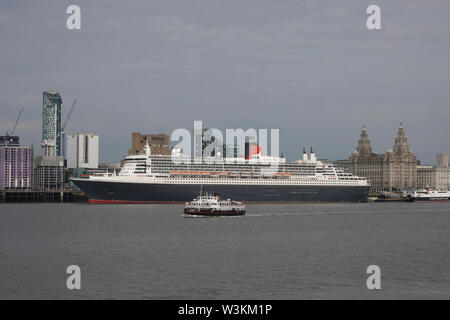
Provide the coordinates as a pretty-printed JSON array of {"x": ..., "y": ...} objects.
[{"x": 159, "y": 143}]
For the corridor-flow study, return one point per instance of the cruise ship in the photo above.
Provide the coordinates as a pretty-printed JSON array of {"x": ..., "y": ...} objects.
[{"x": 176, "y": 178}]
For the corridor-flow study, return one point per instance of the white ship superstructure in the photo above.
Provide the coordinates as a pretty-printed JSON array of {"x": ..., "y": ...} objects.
[{"x": 259, "y": 169}]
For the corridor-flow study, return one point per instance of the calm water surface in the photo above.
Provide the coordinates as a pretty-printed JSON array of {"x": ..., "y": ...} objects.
[{"x": 307, "y": 251}]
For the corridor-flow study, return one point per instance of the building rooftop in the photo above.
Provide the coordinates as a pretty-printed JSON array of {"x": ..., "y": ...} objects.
[{"x": 9, "y": 141}]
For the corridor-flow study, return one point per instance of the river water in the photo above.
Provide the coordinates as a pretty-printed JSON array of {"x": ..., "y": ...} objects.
[{"x": 303, "y": 251}]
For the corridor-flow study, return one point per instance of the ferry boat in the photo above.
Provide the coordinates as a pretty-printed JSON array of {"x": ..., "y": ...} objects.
[
  {"x": 427, "y": 195},
  {"x": 212, "y": 206},
  {"x": 176, "y": 178}
]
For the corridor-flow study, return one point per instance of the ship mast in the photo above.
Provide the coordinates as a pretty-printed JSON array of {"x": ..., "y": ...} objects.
[{"x": 148, "y": 153}]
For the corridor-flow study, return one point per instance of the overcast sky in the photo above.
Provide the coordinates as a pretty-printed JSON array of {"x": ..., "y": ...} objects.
[{"x": 310, "y": 68}]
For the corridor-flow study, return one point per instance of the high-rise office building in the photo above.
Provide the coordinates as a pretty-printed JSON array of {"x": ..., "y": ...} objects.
[
  {"x": 51, "y": 124},
  {"x": 15, "y": 164},
  {"x": 48, "y": 173},
  {"x": 82, "y": 151}
]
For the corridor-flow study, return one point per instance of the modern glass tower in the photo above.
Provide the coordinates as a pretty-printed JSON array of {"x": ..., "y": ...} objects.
[{"x": 51, "y": 124}]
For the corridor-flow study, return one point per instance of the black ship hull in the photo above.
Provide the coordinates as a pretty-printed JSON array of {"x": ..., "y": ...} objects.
[{"x": 120, "y": 192}]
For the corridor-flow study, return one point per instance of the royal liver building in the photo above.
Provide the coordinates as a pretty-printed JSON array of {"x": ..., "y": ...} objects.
[{"x": 393, "y": 171}]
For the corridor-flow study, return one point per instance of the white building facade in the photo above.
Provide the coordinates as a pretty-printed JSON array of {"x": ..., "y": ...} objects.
[
  {"x": 82, "y": 151},
  {"x": 435, "y": 177}
]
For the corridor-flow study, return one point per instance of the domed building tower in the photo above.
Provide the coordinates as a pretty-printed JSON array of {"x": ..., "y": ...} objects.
[
  {"x": 403, "y": 163},
  {"x": 364, "y": 146},
  {"x": 366, "y": 163}
]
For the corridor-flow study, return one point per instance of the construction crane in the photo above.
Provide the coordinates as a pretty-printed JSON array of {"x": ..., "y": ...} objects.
[
  {"x": 63, "y": 128},
  {"x": 10, "y": 136}
]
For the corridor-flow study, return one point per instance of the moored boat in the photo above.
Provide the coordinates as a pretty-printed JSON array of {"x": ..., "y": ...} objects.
[{"x": 427, "y": 195}]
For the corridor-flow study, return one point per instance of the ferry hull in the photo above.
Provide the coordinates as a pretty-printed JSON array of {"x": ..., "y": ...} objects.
[
  {"x": 211, "y": 213},
  {"x": 119, "y": 192},
  {"x": 428, "y": 199}
]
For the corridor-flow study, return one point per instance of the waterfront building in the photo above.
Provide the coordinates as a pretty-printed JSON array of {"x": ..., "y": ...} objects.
[
  {"x": 15, "y": 165},
  {"x": 51, "y": 123},
  {"x": 369, "y": 164},
  {"x": 208, "y": 139},
  {"x": 393, "y": 171},
  {"x": 159, "y": 143},
  {"x": 210, "y": 147},
  {"x": 206, "y": 145},
  {"x": 48, "y": 148},
  {"x": 442, "y": 160},
  {"x": 435, "y": 177},
  {"x": 48, "y": 173},
  {"x": 9, "y": 141},
  {"x": 48, "y": 170},
  {"x": 110, "y": 167},
  {"x": 442, "y": 178},
  {"x": 82, "y": 151},
  {"x": 230, "y": 151},
  {"x": 403, "y": 163},
  {"x": 425, "y": 176},
  {"x": 342, "y": 164}
]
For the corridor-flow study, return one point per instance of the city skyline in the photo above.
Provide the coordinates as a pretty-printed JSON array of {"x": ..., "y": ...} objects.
[
  {"x": 234, "y": 68},
  {"x": 297, "y": 153}
]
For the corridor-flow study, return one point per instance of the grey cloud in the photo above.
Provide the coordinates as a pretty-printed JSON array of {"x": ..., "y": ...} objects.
[{"x": 310, "y": 68}]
